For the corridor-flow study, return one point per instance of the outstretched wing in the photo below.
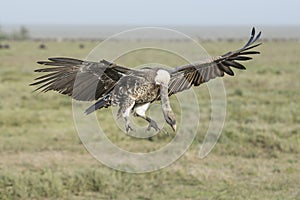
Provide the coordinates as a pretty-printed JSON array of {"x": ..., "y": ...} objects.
[
  {"x": 184, "y": 77},
  {"x": 83, "y": 80}
]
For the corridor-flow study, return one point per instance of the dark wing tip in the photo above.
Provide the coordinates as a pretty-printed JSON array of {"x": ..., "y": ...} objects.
[
  {"x": 230, "y": 73},
  {"x": 253, "y": 31},
  {"x": 39, "y": 70},
  {"x": 41, "y": 62},
  {"x": 258, "y": 35},
  {"x": 60, "y": 61}
]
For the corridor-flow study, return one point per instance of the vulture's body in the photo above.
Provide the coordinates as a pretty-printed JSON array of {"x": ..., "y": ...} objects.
[{"x": 133, "y": 90}]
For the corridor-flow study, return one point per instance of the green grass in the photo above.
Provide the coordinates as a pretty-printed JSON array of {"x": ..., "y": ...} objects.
[{"x": 256, "y": 157}]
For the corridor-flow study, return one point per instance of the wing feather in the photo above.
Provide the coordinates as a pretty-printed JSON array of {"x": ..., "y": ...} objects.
[
  {"x": 203, "y": 71},
  {"x": 83, "y": 80}
]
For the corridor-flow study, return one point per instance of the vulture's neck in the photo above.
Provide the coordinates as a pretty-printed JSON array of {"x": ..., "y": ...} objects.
[{"x": 165, "y": 103}]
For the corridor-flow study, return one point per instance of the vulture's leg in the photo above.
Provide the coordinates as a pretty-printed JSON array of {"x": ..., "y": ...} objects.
[
  {"x": 124, "y": 111},
  {"x": 152, "y": 124},
  {"x": 140, "y": 111},
  {"x": 128, "y": 125}
]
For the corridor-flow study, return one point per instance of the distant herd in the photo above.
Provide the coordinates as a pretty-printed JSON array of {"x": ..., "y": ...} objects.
[
  {"x": 40, "y": 46},
  {"x": 4, "y": 46},
  {"x": 43, "y": 46}
]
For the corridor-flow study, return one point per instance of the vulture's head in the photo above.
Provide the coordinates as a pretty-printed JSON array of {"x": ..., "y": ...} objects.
[
  {"x": 162, "y": 77},
  {"x": 171, "y": 119}
]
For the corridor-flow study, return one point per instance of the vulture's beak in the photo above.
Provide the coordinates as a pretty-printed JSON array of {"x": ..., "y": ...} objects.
[{"x": 174, "y": 127}]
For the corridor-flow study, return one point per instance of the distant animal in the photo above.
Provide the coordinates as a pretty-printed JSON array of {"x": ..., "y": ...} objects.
[
  {"x": 81, "y": 46},
  {"x": 1, "y": 46},
  {"x": 133, "y": 90},
  {"x": 6, "y": 46},
  {"x": 42, "y": 46}
]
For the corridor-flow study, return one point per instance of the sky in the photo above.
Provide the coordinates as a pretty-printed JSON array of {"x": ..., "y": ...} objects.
[{"x": 150, "y": 12}]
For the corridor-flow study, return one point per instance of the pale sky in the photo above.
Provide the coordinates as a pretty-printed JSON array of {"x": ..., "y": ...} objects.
[{"x": 150, "y": 12}]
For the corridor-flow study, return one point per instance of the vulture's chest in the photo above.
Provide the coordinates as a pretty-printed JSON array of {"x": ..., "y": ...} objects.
[
  {"x": 146, "y": 93},
  {"x": 137, "y": 88}
]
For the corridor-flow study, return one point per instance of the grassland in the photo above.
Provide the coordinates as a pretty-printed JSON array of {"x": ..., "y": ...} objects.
[{"x": 256, "y": 157}]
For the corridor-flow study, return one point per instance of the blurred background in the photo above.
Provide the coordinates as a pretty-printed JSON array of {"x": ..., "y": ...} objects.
[
  {"x": 99, "y": 19},
  {"x": 257, "y": 155}
]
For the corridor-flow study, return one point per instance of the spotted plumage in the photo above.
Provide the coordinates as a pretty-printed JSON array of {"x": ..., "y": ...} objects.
[{"x": 133, "y": 90}]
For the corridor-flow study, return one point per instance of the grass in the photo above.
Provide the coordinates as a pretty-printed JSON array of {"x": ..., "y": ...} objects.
[{"x": 256, "y": 157}]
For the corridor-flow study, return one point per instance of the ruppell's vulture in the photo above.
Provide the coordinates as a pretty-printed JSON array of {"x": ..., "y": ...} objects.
[{"x": 133, "y": 90}]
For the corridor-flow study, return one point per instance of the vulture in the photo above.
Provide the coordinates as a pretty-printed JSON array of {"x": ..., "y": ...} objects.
[{"x": 133, "y": 90}]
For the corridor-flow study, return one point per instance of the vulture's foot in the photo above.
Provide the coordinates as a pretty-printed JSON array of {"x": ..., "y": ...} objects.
[
  {"x": 129, "y": 127},
  {"x": 152, "y": 124}
]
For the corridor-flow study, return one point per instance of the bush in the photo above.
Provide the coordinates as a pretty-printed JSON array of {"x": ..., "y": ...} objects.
[{"x": 21, "y": 34}]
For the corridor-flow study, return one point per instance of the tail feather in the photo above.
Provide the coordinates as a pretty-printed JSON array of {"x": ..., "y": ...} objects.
[{"x": 101, "y": 103}]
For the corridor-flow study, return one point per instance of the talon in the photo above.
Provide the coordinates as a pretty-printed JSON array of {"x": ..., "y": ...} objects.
[
  {"x": 128, "y": 128},
  {"x": 148, "y": 128},
  {"x": 153, "y": 124}
]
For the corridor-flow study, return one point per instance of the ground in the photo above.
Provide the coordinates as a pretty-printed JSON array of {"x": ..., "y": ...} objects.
[{"x": 256, "y": 157}]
